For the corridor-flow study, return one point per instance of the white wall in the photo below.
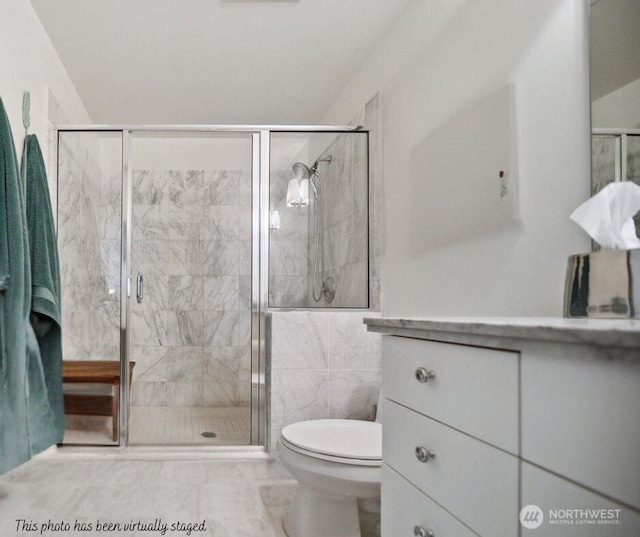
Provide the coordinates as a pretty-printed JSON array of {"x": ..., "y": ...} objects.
[
  {"x": 28, "y": 61},
  {"x": 441, "y": 57},
  {"x": 618, "y": 109},
  {"x": 191, "y": 152},
  {"x": 211, "y": 151}
]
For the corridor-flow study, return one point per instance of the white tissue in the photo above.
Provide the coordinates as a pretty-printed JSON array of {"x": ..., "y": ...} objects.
[{"x": 608, "y": 216}]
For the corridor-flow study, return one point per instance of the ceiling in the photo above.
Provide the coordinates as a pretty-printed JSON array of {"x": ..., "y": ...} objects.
[{"x": 213, "y": 61}]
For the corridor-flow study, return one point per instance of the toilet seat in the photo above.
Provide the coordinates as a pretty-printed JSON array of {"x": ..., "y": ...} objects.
[{"x": 343, "y": 441}]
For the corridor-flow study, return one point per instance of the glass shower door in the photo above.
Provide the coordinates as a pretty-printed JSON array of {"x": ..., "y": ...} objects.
[
  {"x": 319, "y": 200},
  {"x": 190, "y": 305},
  {"x": 89, "y": 240}
]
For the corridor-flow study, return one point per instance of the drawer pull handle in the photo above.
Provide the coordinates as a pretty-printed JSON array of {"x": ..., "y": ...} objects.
[
  {"x": 422, "y": 375},
  {"x": 419, "y": 531},
  {"x": 423, "y": 454}
]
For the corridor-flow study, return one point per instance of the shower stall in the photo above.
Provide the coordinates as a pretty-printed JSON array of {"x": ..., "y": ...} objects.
[{"x": 175, "y": 243}]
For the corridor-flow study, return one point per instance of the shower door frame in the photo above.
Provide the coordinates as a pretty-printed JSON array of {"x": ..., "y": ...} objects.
[{"x": 260, "y": 220}]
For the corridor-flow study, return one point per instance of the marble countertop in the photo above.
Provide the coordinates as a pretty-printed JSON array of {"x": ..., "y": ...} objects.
[{"x": 606, "y": 332}]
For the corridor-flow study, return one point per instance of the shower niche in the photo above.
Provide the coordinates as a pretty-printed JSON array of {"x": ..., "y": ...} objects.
[{"x": 319, "y": 216}]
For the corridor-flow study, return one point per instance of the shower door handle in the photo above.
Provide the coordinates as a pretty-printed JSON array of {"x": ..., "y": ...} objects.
[{"x": 139, "y": 288}]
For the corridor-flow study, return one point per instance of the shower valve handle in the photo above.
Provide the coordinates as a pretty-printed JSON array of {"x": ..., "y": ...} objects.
[{"x": 140, "y": 288}]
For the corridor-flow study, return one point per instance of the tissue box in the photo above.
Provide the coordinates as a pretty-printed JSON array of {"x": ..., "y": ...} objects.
[{"x": 603, "y": 285}]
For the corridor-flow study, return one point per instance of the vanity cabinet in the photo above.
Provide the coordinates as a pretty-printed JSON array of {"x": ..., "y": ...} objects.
[
  {"x": 483, "y": 417},
  {"x": 407, "y": 508},
  {"x": 475, "y": 390},
  {"x": 581, "y": 418},
  {"x": 460, "y": 405}
]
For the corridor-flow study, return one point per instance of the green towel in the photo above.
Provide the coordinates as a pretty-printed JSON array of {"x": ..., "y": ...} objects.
[
  {"x": 14, "y": 308},
  {"x": 45, "y": 280},
  {"x": 27, "y": 424}
]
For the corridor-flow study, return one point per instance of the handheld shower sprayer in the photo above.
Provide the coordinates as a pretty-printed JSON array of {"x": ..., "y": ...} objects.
[
  {"x": 298, "y": 196},
  {"x": 328, "y": 289}
]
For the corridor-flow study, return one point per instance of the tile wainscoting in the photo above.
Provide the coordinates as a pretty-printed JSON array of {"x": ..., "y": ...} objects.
[{"x": 323, "y": 365}]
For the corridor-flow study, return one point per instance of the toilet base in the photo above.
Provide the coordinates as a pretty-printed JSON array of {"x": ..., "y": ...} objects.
[
  {"x": 318, "y": 515},
  {"x": 369, "y": 514}
]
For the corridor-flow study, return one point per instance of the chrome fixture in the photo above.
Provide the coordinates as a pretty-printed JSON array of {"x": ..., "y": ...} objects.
[
  {"x": 419, "y": 531},
  {"x": 298, "y": 187},
  {"x": 422, "y": 375},
  {"x": 424, "y": 455},
  {"x": 139, "y": 288},
  {"x": 298, "y": 196},
  {"x": 328, "y": 289}
]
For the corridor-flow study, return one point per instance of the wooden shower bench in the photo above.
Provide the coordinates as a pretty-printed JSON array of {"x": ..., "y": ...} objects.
[{"x": 94, "y": 372}]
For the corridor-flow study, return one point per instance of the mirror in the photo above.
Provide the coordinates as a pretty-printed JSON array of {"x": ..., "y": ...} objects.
[{"x": 615, "y": 93}]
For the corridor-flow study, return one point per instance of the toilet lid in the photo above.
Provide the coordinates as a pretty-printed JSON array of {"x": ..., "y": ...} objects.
[{"x": 350, "y": 439}]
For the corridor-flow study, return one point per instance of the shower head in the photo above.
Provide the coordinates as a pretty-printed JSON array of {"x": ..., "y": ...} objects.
[
  {"x": 301, "y": 171},
  {"x": 304, "y": 175}
]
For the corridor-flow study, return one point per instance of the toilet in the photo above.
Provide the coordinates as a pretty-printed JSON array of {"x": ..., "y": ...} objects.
[{"x": 337, "y": 465}]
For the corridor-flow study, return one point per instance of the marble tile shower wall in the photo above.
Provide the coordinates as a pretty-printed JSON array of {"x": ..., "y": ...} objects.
[
  {"x": 371, "y": 118},
  {"x": 346, "y": 220},
  {"x": 289, "y": 249},
  {"x": 323, "y": 365},
  {"x": 191, "y": 335},
  {"x": 350, "y": 206},
  {"x": 89, "y": 256}
]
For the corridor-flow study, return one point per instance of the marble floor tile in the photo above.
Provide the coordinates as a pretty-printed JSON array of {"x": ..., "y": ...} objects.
[
  {"x": 231, "y": 497},
  {"x": 185, "y": 425}
]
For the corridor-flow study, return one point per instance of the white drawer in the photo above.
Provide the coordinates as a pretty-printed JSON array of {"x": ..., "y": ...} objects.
[
  {"x": 474, "y": 390},
  {"x": 476, "y": 482},
  {"x": 404, "y": 507},
  {"x": 558, "y": 498},
  {"x": 580, "y": 419}
]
